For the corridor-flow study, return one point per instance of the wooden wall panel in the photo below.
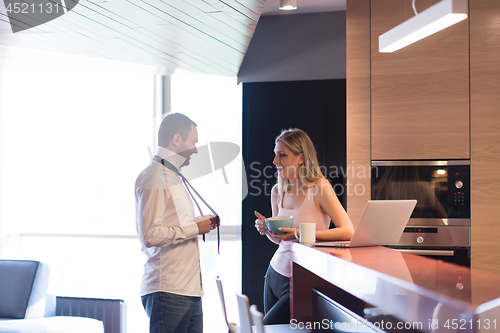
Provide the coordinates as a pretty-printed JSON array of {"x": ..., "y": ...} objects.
[
  {"x": 420, "y": 94},
  {"x": 485, "y": 133},
  {"x": 358, "y": 106}
]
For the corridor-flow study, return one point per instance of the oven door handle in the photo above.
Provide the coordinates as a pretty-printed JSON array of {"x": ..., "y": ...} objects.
[{"x": 447, "y": 253}]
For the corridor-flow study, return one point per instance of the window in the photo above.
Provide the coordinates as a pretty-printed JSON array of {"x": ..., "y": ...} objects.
[{"x": 72, "y": 141}]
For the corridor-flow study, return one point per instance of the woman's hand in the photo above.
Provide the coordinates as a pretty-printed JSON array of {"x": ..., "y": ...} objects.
[
  {"x": 289, "y": 234},
  {"x": 260, "y": 223}
]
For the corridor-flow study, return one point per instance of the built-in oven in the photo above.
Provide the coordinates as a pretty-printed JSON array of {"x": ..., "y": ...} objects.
[{"x": 440, "y": 224}]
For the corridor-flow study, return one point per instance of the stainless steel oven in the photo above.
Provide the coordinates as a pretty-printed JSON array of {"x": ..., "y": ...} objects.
[{"x": 440, "y": 224}]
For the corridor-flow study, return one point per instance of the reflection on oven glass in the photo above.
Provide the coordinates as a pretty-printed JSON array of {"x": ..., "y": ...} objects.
[{"x": 405, "y": 183}]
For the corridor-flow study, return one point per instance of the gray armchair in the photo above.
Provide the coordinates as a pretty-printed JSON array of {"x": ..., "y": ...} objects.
[{"x": 25, "y": 306}]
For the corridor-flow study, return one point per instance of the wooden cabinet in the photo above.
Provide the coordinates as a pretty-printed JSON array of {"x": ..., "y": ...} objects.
[
  {"x": 485, "y": 133},
  {"x": 410, "y": 104},
  {"x": 419, "y": 94},
  {"x": 358, "y": 105},
  {"x": 417, "y": 104}
]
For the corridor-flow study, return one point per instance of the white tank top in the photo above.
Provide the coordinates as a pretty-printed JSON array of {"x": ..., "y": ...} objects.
[{"x": 306, "y": 213}]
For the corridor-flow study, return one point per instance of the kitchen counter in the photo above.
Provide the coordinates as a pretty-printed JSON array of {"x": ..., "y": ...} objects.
[{"x": 439, "y": 296}]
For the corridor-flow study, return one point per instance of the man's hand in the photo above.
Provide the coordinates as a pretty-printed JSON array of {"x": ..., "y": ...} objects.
[
  {"x": 215, "y": 222},
  {"x": 203, "y": 223}
]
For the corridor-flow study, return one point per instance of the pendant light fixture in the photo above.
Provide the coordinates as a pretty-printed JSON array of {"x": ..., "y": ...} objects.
[
  {"x": 288, "y": 4},
  {"x": 443, "y": 14}
]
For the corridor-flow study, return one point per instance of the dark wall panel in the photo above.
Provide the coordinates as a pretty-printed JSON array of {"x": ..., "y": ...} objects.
[{"x": 319, "y": 108}]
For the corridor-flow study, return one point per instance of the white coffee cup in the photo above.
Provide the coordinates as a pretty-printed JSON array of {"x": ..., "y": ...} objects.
[{"x": 307, "y": 232}]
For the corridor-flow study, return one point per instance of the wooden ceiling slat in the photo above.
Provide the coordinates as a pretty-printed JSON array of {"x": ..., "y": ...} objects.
[
  {"x": 145, "y": 16},
  {"x": 59, "y": 42},
  {"x": 175, "y": 37},
  {"x": 4, "y": 23},
  {"x": 201, "y": 5},
  {"x": 238, "y": 10},
  {"x": 233, "y": 63},
  {"x": 160, "y": 50},
  {"x": 81, "y": 24},
  {"x": 36, "y": 38},
  {"x": 76, "y": 43},
  {"x": 125, "y": 33},
  {"x": 201, "y": 21},
  {"x": 133, "y": 31},
  {"x": 255, "y": 6},
  {"x": 95, "y": 45},
  {"x": 127, "y": 45},
  {"x": 202, "y": 35},
  {"x": 40, "y": 42},
  {"x": 28, "y": 21},
  {"x": 207, "y": 36},
  {"x": 116, "y": 27},
  {"x": 147, "y": 40},
  {"x": 97, "y": 12},
  {"x": 9, "y": 40},
  {"x": 178, "y": 59},
  {"x": 226, "y": 20},
  {"x": 231, "y": 26},
  {"x": 71, "y": 42},
  {"x": 182, "y": 39},
  {"x": 124, "y": 8},
  {"x": 230, "y": 14},
  {"x": 178, "y": 33}
]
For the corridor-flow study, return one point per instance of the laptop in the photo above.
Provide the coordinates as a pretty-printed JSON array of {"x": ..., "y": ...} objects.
[{"x": 382, "y": 223}]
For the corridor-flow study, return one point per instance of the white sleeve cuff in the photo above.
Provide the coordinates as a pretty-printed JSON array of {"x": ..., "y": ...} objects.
[{"x": 191, "y": 229}]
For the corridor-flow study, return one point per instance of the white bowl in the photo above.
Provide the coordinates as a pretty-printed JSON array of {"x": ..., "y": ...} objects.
[{"x": 274, "y": 223}]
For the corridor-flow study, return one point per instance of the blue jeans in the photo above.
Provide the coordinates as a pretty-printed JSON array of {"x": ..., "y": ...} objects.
[
  {"x": 172, "y": 313},
  {"x": 276, "y": 298}
]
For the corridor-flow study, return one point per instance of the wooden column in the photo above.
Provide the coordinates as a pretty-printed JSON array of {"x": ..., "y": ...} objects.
[
  {"x": 358, "y": 107},
  {"x": 485, "y": 133}
]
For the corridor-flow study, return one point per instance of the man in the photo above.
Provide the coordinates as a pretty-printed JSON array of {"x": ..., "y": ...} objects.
[{"x": 168, "y": 230}]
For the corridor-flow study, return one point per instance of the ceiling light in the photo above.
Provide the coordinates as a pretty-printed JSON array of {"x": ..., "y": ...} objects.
[
  {"x": 438, "y": 17},
  {"x": 288, "y": 4}
]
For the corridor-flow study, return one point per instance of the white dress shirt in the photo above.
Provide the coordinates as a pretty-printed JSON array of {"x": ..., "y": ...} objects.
[{"x": 165, "y": 222}]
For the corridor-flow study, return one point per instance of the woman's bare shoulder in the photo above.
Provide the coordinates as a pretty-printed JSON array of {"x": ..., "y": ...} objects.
[
  {"x": 322, "y": 184},
  {"x": 322, "y": 188},
  {"x": 275, "y": 191}
]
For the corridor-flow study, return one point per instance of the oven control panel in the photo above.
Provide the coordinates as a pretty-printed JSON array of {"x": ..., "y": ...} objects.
[
  {"x": 436, "y": 236},
  {"x": 459, "y": 191},
  {"x": 421, "y": 230}
]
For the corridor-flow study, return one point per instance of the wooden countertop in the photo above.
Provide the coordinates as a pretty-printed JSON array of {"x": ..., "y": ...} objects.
[{"x": 410, "y": 287}]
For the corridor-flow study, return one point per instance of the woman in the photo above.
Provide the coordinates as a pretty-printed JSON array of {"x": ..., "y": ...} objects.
[{"x": 302, "y": 192}]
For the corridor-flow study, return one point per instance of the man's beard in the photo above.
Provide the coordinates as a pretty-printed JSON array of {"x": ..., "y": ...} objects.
[{"x": 186, "y": 162}]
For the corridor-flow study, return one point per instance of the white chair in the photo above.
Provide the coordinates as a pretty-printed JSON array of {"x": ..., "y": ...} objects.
[
  {"x": 244, "y": 311},
  {"x": 257, "y": 318},
  {"x": 246, "y": 322},
  {"x": 231, "y": 326}
]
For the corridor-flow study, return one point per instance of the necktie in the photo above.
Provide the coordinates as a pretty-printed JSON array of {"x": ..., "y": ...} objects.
[{"x": 170, "y": 166}]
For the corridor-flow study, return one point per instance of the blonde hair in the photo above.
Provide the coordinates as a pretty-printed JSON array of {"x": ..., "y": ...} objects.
[{"x": 298, "y": 142}]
